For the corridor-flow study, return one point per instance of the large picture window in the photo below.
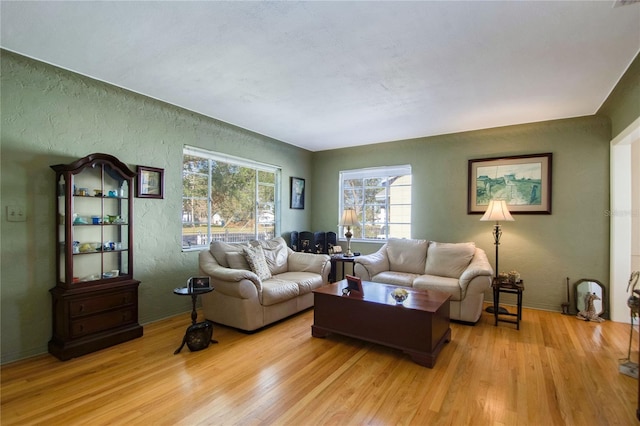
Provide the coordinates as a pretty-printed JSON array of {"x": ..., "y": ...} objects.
[
  {"x": 227, "y": 198},
  {"x": 381, "y": 197}
]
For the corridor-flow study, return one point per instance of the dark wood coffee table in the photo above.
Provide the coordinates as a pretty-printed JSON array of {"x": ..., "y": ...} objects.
[{"x": 419, "y": 327}]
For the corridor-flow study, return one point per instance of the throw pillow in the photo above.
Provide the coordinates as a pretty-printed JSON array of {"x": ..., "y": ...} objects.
[
  {"x": 407, "y": 255},
  {"x": 449, "y": 259},
  {"x": 276, "y": 253},
  {"x": 237, "y": 261},
  {"x": 220, "y": 249},
  {"x": 257, "y": 262}
]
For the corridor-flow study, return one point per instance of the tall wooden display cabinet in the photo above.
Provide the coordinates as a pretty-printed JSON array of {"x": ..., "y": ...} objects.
[{"x": 95, "y": 300}]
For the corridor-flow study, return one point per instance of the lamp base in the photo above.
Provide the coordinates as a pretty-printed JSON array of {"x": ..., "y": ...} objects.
[{"x": 348, "y": 236}]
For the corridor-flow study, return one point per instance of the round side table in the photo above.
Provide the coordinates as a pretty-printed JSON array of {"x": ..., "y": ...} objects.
[{"x": 198, "y": 335}]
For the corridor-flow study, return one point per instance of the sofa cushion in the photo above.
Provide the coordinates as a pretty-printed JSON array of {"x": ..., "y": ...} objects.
[
  {"x": 431, "y": 282},
  {"x": 449, "y": 259},
  {"x": 407, "y": 255},
  {"x": 276, "y": 290},
  {"x": 257, "y": 262},
  {"x": 276, "y": 254},
  {"x": 306, "y": 281},
  {"x": 237, "y": 260},
  {"x": 395, "y": 278},
  {"x": 220, "y": 249}
]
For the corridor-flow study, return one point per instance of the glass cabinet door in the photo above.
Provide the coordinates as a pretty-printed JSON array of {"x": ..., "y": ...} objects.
[
  {"x": 94, "y": 224},
  {"x": 63, "y": 225}
]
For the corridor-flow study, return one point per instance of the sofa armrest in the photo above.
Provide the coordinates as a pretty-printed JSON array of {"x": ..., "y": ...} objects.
[
  {"x": 243, "y": 289},
  {"x": 370, "y": 265},
  {"x": 478, "y": 267},
  {"x": 218, "y": 273}
]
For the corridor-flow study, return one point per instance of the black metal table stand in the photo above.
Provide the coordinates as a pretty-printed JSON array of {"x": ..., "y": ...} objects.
[{"x": 198, "y": 335}]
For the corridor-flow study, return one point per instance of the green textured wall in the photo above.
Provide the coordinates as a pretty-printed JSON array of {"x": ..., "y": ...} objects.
[
  {"x": 623, "y": 104},
  {"x": 573, "y": 241},
  {"x": 51, "y": 116}
]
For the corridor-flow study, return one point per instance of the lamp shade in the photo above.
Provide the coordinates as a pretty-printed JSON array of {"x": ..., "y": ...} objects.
[
  {"x": 349, "y": 218},
  {"x": 497, "y": 211}
]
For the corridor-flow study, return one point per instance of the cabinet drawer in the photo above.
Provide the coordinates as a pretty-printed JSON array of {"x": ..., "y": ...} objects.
[
  {"x": 102, "y": 303},
  {"x": 100, "y": 322}
]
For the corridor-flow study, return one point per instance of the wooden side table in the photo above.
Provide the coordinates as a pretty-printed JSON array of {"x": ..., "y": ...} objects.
[
  {"x": 507, "y": 287},
  {"x": 198, "y": 335},
  {"x": 333, "y": 276}
]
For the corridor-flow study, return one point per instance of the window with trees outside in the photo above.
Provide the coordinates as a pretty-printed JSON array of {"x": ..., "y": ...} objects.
[
  {"x": 381, "y": 197},
  {"x": 227, "y": 198}
]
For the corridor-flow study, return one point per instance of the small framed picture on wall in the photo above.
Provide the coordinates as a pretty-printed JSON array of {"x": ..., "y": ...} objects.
[
  {"x": 297, "y": 193},
  {"x": 150, "y": 182}
]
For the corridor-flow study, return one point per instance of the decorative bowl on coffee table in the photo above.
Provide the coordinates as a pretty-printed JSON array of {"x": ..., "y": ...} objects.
[{"x": 399, "y": 295}]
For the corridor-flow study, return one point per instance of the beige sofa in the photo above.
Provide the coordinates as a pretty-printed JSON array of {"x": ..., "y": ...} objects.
[
  {"x": 459, "y": 269},
  {"x": 250, "y": 300}
]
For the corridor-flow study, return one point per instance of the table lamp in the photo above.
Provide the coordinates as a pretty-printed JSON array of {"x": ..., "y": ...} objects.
[{"x": 349, "y": 219}]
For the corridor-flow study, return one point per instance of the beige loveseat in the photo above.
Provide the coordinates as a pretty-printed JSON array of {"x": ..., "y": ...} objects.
[
  {"x": 249, "y": 294},
  {"x": 459, "y": 269}
]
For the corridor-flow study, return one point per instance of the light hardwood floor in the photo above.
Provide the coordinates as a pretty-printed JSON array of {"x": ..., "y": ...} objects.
[{"x": 556, "y": 370}]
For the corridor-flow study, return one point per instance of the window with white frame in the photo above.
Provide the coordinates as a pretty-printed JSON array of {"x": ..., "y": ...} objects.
[
  {"x": 381, "y": 197},
  {"x": 226, "y": 198}
]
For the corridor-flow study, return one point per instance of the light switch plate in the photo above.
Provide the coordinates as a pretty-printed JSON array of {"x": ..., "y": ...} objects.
[{"x": 16, "y": 214}]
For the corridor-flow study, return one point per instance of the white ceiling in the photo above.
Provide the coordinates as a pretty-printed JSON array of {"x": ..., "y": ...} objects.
[{"x": 323, "y": 75}]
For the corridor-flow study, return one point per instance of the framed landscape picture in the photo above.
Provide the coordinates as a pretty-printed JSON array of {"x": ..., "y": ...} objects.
[{"x": 524, "y": 181}]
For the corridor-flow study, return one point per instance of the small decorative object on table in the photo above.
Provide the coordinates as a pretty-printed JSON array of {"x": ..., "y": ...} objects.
[
  {"x": 503, "y": 277},
  {"x": 354, "y": 286},
  {"x": 514, "y": 277},
  {"x": 196, "y": 284},
  {"x": 400, "y": 295}
]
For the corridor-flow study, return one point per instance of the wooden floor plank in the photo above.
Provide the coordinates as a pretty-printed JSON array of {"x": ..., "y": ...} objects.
[{"x": 556, "y": 370}]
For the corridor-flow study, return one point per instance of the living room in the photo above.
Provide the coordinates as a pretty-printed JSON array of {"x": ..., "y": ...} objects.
[{"x": 51, "y": 115}]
